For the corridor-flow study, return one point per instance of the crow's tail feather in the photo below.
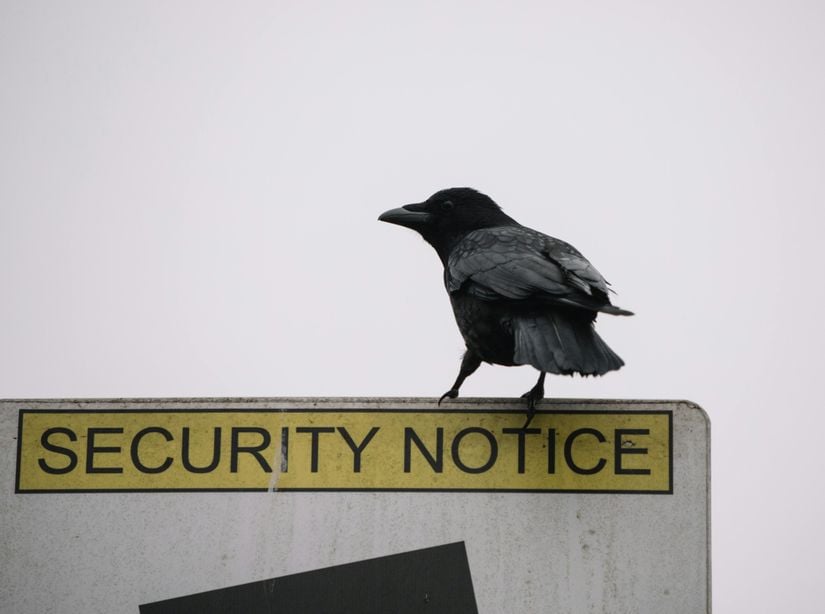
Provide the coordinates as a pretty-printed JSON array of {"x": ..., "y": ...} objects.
[{"x": 557, "y": 343}]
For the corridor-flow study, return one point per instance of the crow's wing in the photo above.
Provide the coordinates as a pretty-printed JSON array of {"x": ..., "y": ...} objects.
[{"x": 518, "y": 263}]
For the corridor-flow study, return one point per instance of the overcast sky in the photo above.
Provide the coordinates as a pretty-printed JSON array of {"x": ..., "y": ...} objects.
[{"x": 189, "y": 194}]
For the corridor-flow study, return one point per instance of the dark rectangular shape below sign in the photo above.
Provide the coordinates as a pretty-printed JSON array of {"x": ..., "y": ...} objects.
[{"x": 433, "y": 580}]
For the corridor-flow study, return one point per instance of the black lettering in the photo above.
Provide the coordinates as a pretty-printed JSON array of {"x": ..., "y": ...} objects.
[
  {"x": 48, "y": 445},
  {"x": 235, "y": 447},
  {"x": 568, "y": 451},
  {"x": 357, "y": 449},
  {"x": 92, "y": 449},
  {"x": 136, "y": 444},
  {"x": 456, "y": 447},
  {"x": 186, "y": 452},
  {"x": 551, "y": 451},
  {"x": 436, "y": 462},
  {"x": 521, "y": 433},
  {"x": 620, "y": 450},
  {"x": 316, "y": 435}
]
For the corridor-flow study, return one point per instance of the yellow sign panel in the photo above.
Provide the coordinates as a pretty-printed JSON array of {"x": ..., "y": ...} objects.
[{"x": 343, "y": 450}]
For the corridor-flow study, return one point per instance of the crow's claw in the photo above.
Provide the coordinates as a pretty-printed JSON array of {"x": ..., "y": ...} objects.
[
  {"x": 531, "y": 397},
  {"x": 530, "y": 413},
  {"x": 452, "y": 393}
]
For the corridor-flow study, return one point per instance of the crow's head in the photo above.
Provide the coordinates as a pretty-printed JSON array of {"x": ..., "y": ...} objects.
[{"x": 448, "y": 215}]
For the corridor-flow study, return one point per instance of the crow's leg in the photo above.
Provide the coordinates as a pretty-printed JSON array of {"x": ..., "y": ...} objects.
[
  {"x": 533, "y": 396},
  {"x": 469, "y": 364}
]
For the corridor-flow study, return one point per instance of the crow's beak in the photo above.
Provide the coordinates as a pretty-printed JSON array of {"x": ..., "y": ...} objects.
[{"x": 408, "y": 216}]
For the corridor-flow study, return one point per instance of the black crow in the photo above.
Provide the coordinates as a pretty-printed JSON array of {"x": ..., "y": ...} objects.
[{"x": 519, "y": 296}]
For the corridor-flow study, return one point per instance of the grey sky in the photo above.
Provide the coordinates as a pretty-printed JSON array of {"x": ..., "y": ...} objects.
[{"x": 189, "y": 194}]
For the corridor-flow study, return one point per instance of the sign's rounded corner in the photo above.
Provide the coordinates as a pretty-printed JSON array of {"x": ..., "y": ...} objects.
[{"x": 692, "y": 405}]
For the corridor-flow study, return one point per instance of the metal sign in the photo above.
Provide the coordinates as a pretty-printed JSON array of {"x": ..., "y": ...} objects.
[{"x": 597, "y": 502}]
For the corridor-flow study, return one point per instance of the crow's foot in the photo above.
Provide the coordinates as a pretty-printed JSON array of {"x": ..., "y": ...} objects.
[
  {"x": 533, "y": 396},
  {"x": 452, "y": 393},
  {"x": 531, "y": 411}
]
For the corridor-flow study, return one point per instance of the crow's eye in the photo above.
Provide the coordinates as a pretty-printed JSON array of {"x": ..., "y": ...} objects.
[{"x": 446, "y": 205}]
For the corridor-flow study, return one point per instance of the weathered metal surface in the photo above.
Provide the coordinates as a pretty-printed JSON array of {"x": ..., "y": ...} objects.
[{"x": 542, "y": 541}]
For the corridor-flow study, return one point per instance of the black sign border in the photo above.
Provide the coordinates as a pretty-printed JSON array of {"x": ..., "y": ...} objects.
[{"x": 321, "y": 410}]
